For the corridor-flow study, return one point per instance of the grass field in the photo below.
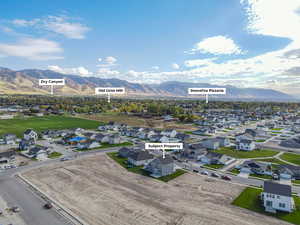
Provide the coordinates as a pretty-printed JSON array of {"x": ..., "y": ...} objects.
[
  {"x": 18, "y": 126},
  {"x": 291, "y": 157},
  {"x": 139, "y": 121},
  {"x": 249, "y": 199},
  {"x": 246, "y": 154},
  {"x": 139, "y": 169},
  {"x": 54, "y": 155},
  {"x": 267, "y": 177},
  {"x": 272, "y": 160},
  {"x": 214, "y": 166}
]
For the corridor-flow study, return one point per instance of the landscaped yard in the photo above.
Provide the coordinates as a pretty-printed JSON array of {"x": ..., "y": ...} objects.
[
  {"x": 291, "y": 157},
  {"x": 272, "y": 160},
  {"x": 260, "y": 140},
  {"x": 246, "y": 154},
  {"x": 54, "y": 155},
  {"x": 296, "y": 182},
  {"x": 106, "y": 145},
  {"x": 19, "y": 125},
  {"x": 139, "y": 169},
  {"x": 235, "y": 171},
  {"x": 267, "y": 177},
  {"x": 214, "y": 166},
  {"x": 249, "y": 199}
]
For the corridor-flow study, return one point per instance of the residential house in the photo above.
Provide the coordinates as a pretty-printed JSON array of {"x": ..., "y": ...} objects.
[
  {"x": 114, "y": 139},
  {"x": 215, "y": 158},
  {"x": 211, "y": 143},
  {"x": 30, "y": 134},
  {"x": 24, "y": 145},
  {"x": 245, "y": 145},
  {"x": 277, "y": 197},
  {"x": 140, "y": 158},
  {"x": 90, "y": 144},
  {"x": 244, "y": 136},
  {"x": 223, "y": 141},
  {"x": 169, "y": 133},
  {"x": 254, "y": 167},
  {"x": 161, "y": 166},
  {"x": 10, "y": 139},
  {"x": 102, "y": 138},
  {"x": 124, "y": 152},
  {"x": 289, "y": 172}
]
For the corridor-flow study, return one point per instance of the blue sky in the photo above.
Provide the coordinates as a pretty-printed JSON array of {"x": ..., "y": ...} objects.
[{"x": 241, "y": 43}]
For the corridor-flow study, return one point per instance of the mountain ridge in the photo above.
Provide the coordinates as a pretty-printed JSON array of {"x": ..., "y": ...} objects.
[{"x": 26, "y": 82}]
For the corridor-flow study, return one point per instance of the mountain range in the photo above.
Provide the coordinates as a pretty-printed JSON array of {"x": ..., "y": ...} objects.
[{"x": 26, "y": 82}]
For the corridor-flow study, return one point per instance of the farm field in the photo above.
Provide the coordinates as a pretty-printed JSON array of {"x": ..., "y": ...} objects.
[
  {"x": 139, "y": 121},
  {"x": 100, "y": 191},
  {"x": 18, "y": 126}
]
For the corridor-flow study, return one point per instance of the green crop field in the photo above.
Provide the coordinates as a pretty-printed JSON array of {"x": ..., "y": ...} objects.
[{"x": 18, "y": 126}]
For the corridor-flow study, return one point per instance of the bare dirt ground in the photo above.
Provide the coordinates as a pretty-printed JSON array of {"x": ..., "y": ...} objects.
[{"x": 102, "y": 193}]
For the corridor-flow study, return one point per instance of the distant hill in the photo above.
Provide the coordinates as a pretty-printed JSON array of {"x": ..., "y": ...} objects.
[{"x": 26, "y": 82}]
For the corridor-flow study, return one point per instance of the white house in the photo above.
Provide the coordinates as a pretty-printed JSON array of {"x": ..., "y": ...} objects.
[
  {"x": 169, "y": 133},
  {"x": 30, "y": 134},
  {"x": 277, "y": 197},
  {"x": 245, "y": 145}
]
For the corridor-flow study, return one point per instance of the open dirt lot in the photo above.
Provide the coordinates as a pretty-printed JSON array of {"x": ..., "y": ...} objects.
[{"x": 102, "y": 193}]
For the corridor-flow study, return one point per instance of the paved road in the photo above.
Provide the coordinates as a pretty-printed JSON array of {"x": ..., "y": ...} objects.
[
  {"x": 16, "y": 193},
  {"x": 234, "y": 179}
]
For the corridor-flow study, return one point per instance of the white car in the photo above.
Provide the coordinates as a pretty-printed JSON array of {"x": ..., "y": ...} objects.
[{"x": 204, "y": 172}]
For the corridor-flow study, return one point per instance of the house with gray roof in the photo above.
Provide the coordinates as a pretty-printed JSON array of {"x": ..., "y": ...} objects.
[
  {"x": 277, "y": 197},
  {"x": 140, "y": 158},
  {"x": 161, "y": 166}
]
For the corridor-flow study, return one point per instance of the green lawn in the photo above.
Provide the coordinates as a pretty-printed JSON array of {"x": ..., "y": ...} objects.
[
  {"x": 191, "y": 132},
  {"x": 249, "y": 199},
  {"x": 54, "y": 155},
  {"x": 105, "y": 145},
  {"x": 267, "y": 177},
  {"x": 139, "y": 169},
  {"x": 276, "y": 129},
  {"x": 246, "y": 154},
  {"x": 260, "y": 140},
  {"x": 291, "y": 157},
  {"x": 296, "y": 182},
  {"x": 18, "y": 126},
  {"x": 235, "y": 171},
  {"x": 215, "y": 166},
  {"x": 272, "y": 160}
]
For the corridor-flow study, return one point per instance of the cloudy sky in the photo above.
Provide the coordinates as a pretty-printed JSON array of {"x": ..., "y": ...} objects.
[{"x": 245, "y": 43}]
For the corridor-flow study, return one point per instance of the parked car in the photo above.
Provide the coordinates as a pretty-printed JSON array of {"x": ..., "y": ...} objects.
[
  {"x": 48, "y": 205},
  {"x": 195, "y": 171},
  {"x": 204, "y": 173},
  {"x": 224, "y": 177},
  {"x": 15, "y": 209},
  {"x": 215, "y": 175}
]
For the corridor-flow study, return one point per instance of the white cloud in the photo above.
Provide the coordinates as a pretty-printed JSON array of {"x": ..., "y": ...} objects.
[
  {"x": 99, "y": 59},
  {"x": 175, "y": 66},
  {"x": 58, "y": 24},
  {"x": 198, "y": 62},
  {"x": 32, "y": 49},
  {"x": 155, "y": 67},
  {"x": 217, "y": 45},
  {"x": 273, "y": 17},
  {"x": 108, "y": 61},
  {"x": 81, "y": 71},
  {"x": 106, "y": 72}
]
